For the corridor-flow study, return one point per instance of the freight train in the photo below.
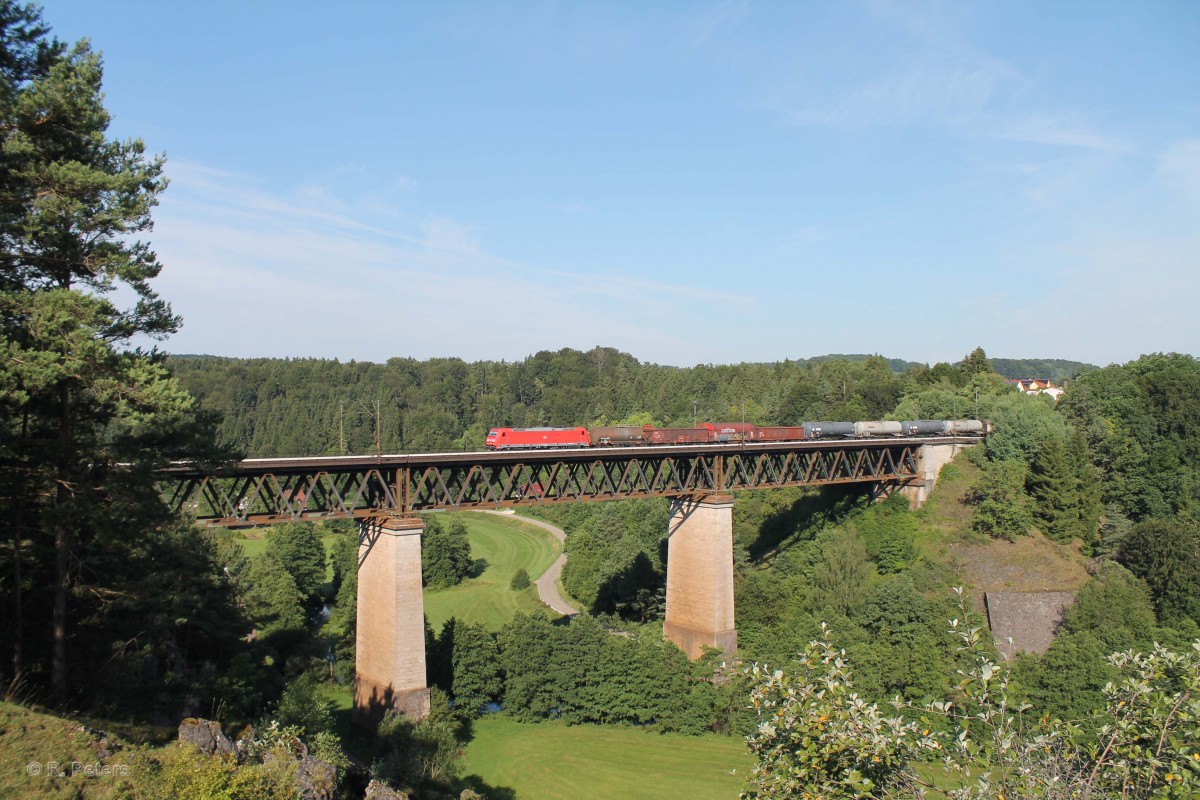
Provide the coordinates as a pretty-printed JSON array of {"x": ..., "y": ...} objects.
[{"x": 727, "y": 432}]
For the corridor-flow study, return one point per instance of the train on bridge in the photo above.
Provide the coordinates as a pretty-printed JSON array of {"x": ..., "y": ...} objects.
[{"x": 727, "y": 432}]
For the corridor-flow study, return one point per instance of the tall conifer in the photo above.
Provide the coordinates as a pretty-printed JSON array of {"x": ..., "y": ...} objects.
[{"x": 76, "y": 396}]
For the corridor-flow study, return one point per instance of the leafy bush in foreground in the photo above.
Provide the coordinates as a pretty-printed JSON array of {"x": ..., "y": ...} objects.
[{"x": 817, "y": 738}]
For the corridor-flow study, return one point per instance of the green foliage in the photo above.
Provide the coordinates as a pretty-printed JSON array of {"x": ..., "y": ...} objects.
[
  {"x": 1166, "y": 554},
  {"x": 475, "y": 664},
  {"x": 1051, "y": 482},
  {"x": 1054, "y": 369},
  {"x": 1063, "y": 484},
  {"x": 999, "y": 499},
  {"x": 1022, "y": 424},
  {"x": 1114, "y": 529},
  {"x": 445, "y": 553},
  {"x": 817, "y": 738},
  {"x": 1068, "y": 681},
  {"x": 304, "y": 706},
  {"x": 615, "y": 555},
  {"x": 179, "y": 772},
  {"x": 77, "y": 395},
  {"x": 889, "y": 531},
  {"x": 298, "y": 549},
  {"x": 426, "y": 755},
  {"x": 341, "y": 629},
  {"x": 1115, "y": 606},
  {"x": 271, "y": 598},
  {"x": 1142, "y": 424},
  {"x": 904, "y": 652},
  {"x": 584, "y": 673},
  {"x": 343, "y": 557},
  {"x": 520, "y": 580},
  {"x": 975, "y": 363},
  {"x": 839, "y": 577}
]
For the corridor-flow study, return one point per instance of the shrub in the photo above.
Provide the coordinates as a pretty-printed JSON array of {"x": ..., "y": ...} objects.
[{"x": 520, "y": 581}]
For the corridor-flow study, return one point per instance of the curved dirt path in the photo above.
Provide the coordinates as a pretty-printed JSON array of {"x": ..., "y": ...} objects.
[{"x": 547, "y": 585}]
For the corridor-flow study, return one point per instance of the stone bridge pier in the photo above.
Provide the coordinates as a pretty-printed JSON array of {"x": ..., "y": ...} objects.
[
  {"x": 930, "y": 460},
  {"x": 700, "y": 575},
  {"x": 390, "y": 641}
]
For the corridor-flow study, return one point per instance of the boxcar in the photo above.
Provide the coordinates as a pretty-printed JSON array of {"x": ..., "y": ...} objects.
[
  {"x": 730, "y": 431},
  {"x": 786, "y": 433},
  {"x": 680, "y": 435}
]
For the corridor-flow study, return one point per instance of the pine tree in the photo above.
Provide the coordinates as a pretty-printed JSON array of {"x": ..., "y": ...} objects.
[
  {"x": 1052, "y": 482},
  {"x": 1090, "y": 504},
  {"x": 976, "y": 362},
  {"x": 76, "y": 397},
  {"x": 298, "y": 548}
]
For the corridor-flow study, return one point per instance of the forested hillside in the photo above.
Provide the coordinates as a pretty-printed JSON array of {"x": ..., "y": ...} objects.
[
  {"x": 1055, "y": 369},
  {"x": 280, "y": 407}
]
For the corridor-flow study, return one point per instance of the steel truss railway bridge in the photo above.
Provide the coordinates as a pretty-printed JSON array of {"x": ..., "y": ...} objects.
[{"x": 384, "y": 493}]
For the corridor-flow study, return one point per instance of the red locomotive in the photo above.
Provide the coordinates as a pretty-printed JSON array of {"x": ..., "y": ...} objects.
[{"x": 536, "y": 438}]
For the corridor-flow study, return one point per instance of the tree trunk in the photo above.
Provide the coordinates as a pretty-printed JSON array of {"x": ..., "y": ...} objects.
[
  {"x": 58, "y": 662},
  {"x": 18, "y": 634}
]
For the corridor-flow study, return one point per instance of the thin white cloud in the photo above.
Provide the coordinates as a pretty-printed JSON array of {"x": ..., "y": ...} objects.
[
  {"x": 255, "y": 273},
  {"x": 931, "y": 76},
  {"x": 707, "y": 21},
  {"x": 1179, "y": 167},
  {"x": 917, "y": 93},
  {"x": 1061, "y": 130}
]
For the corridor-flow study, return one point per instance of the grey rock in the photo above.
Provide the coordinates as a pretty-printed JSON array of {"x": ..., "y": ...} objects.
[
  {"x": 381, "y": 791},
  {"x": 205, "y": 736},
  {"x": 315, "y": 779}
]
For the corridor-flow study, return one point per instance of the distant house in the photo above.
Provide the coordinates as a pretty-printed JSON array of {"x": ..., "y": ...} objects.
[{"x": 1032, "y": 386}]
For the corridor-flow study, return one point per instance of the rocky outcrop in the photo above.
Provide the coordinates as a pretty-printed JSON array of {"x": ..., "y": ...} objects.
[
  {"x": 206, "y": 736},
  {"x": 315, "y": 779},
  {"x": 381, "y": 791}
]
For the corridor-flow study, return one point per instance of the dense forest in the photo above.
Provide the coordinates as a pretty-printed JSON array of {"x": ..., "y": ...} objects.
[
  {"x": 283, "y": 407},
  {"x": 117, "y": 610}
]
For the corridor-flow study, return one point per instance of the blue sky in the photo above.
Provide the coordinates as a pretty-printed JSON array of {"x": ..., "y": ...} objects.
[{"x": 705, "y": 182}]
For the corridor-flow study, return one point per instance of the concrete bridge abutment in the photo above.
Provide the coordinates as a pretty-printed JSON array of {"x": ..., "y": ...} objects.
[
  {"x": 390, "y": 640},
  {"x": 700, "y": 575},
  {"x": 930, "y": 460}
]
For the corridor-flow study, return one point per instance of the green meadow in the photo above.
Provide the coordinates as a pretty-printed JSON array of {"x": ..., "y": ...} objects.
[
  {"x": 551, "y": 760},
  {"x": 500, "y": 546}
]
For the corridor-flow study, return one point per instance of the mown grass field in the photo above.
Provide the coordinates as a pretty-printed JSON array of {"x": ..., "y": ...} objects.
[
  {"x": 504, "y": 544},
  {"x": 551, "y": 760}
]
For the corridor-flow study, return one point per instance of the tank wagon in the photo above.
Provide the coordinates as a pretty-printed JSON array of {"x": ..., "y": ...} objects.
[{"x": 726, "y": 432}]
